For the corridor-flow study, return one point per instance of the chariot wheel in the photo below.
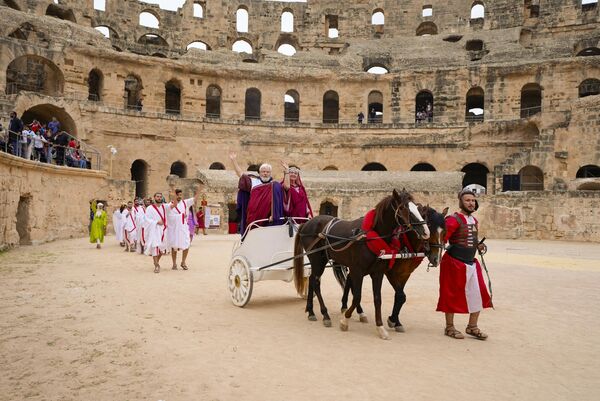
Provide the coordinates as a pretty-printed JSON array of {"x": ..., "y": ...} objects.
[
  {"x": 341, "y": 274},
  {"x": 240, "y": 281}
]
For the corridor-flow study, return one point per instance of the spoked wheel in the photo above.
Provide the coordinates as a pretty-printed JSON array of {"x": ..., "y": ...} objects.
[
  {"x": 240, "y": 281},
  {"x": 341, "y": 274}
]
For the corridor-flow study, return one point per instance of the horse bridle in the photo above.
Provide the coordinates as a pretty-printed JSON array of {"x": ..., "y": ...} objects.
[{"x": 409, "y": 225}]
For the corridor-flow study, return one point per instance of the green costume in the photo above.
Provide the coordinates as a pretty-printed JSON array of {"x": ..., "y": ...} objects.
[{"x": 98, "y": 225}]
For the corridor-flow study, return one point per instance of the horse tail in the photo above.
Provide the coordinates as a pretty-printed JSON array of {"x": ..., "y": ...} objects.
[{"x": 299, "y": 263}]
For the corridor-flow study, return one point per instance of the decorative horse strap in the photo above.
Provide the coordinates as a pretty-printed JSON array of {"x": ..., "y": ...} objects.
[{"x": 324, "y": 235}]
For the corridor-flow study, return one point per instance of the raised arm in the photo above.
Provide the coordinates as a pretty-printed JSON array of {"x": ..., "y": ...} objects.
[
  {"x": 286, "y": 175},
  {"x": 236, "y": 166}
]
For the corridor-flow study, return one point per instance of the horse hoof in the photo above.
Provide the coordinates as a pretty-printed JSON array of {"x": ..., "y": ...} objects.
[
  {"x": 327, "y": 322},
  {"x": 391, "y": 324},
  {"x": 343, "y": 310},
  {"x": 399, "y": 328},
  {"x": 343, "y": 325},
  {"x": 363, "y": 318},
  {"x": 312, "y": 318},
  {"x": 383, "y": 334}
]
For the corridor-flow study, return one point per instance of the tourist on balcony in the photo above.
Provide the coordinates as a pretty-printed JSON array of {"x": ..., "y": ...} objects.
[
  {"x": 295, "y": 199},
  {"x": 360, "y": 117},
  {"x": 372, "y": 116},
  {"x": 49, "y": 137},
  {"x": 259, "y": 197},
  {"x": 26, "y": 143},
  {"x": 38, "y": 145},
  {"x": 15, "y": 127},
  {"x": 61, "y": 141},
  {"x": 54, "y": 126},
  {"x": 3, "y": 140}
]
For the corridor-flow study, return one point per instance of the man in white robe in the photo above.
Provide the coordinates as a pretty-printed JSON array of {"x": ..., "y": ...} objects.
[
  {"x": 118, "y": 224},
  {"x": 129, "y": 228},
  {"x": 155, "y": 227},
  {"x": 178, "y": 231},
  {"x": 139, "y": 211}
]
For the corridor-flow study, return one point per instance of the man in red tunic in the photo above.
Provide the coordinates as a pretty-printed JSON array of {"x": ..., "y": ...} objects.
[{"x": 462, "y": 288}]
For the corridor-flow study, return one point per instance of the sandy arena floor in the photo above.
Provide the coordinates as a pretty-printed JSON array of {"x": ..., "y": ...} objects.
[{"x": 83, "y": 324}]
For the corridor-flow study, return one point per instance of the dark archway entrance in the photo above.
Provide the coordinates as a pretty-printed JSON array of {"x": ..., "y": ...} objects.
[
  {"x": 95, "y": 85},
  {"x": 179, "y": 169},
  {"x": 331, "y": 107},
  {"x": 422, "y": 167},
  {"x": 213, "y": 102},
  {"x": 44, "y": 113},
  {"x": 34, "y": 74},
  {"x": 139, "y": 174},
  {"x": 328, "y": 208},
  {"x": 23, "y": 224},
  {"x": 172, "y": 97},
  {"x": 217, "y": 166},
  {"x": 589, "y": 171},
  {"x": 475, "y": 173},
  {"x": 252, "y": 107},
  {"x": 374, "y": 167}
]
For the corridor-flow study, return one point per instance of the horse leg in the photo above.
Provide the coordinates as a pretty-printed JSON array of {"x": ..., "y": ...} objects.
[
  {"x": 361, "y": 314},
  {"x": 326, "y": 318},
  {"x": 356, "y": 295},
  {"x": 399, "y": 300},
  {"x": 309, "y": 299},
  {"x": 377, "y": 280},
  {"x": 347, "y": 288}
]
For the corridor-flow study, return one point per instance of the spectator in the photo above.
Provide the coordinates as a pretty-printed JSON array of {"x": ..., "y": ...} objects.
[
  {"x": 25, "y": 142},
  {"x": 35, "y": 126},
  {"x": 61, "y": 141},
  {"x": 38, "y": 145},
  {"x": 3, "y": 139},
  {"x": 139, "y": 105},
  {"x": 14, "y": 133},
  {"x": 49, "y": 137},
  {"x": 372, "y": 115},
  {"x": 360, "y": 117},
  {"x": 54, "y": 126}
]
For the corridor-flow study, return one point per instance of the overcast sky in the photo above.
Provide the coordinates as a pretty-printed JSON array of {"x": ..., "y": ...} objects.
[{"x": 174, "y": 4}]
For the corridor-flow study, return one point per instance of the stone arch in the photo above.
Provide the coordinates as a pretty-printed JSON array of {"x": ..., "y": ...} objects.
[
  {"x": 253, "y": 167},
  {"x": 217, "y": 166},
  {"x": 149, "y": 19},
  {"x": 133, "y": 92},
  {"x": 477, "y": 10},
  {"x": 424, "y": 107},
  {"x": 95, "y": 83},
  {"x": 589, "y": 87},
  {"x": 179, "y": 169},
  {"x": 375, "y": 102},
  {"x": 588, "y": 171},
  {"x": 331, "y": 107},
  {"x": 139, "y": 175},
  {"x": 153, "y": 40},
  {"x": 531, "y": 100},
  {"x": 213, "y": 101},
  {"x": 107, "y": 31},
  {"x": 197, "y": 10},
  {"x": 378, "y": 69},
  {"x": 198, "y": 44},
  {"x": 330, "y": 168},
  {"x": 252, "y": 104},
  {"x": 287, "y": 20},
  {"x": 475, "y": 173},
  {"x": 44, "y": 113},
  {"x": 423, "y": 167},
  {"x": 291, "y": 106},
  {"x": 173, "y": 97},
  {"x": 590, "y": 51},
  {"x": 373, "y": 166},
  {"x": 531, "y": 178},
  {"x": 23, "y": 31},
  {"x": 60, "y": 12},
  {"x": 328, "y": 208},
  {"x": 286, "y": 49},
  {"x": 475, "y": 104},
  {"x": 242, "y": 46},
  {"x": 427, "y": 28},
  {"x": 35, "y": 74},
  {"x": 12, "y": 4},
  {"x": 378, "y": 17},
  {"x": 242, "y": 23}
]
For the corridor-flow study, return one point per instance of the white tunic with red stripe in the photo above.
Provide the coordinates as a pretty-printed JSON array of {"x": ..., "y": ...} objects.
[
  {"x": 178, "y": 232},
  {"x": 129, "y": 227},
  {"x": 155, "y": 234},
  {"x": 139, "y": 213}
]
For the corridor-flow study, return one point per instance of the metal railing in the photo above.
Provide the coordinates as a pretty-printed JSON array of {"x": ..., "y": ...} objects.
[
  {"x": 474, "y": 119},
  {"x": 530, "y": 111}
]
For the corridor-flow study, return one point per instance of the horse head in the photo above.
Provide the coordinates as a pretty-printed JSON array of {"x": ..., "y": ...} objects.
[
  {"x": 437, "y": 226},
  {"x": 406, "y": 210}
]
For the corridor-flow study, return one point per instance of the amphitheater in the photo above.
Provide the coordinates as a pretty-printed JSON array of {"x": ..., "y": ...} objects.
[{"x": 364, "y": 96}]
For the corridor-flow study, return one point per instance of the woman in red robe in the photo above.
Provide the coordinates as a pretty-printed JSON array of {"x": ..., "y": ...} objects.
[{"x": 295, "y": 199}]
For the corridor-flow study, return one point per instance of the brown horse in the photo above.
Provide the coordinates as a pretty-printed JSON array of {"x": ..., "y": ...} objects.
[
  {"x": 399, "y": 274},
  {"x": 392, "y": 214}
]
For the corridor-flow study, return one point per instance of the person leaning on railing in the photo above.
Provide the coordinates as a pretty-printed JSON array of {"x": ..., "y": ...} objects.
[{"x": 15, "y": 127}]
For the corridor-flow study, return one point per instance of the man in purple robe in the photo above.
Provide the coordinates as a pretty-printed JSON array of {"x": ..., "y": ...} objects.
[{"x": 259, "y": 197}]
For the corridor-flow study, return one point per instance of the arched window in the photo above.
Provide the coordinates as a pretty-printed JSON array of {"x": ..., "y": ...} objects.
[
  {"x": 252, "y": 104},
  {"x": 104, "y": 30},
  {"x": 43, "y": 113},
  {"x": 330, "y": 168},
  {"x": 149, "y": 20},
  {"x": 34, "y": 74},
  {"x": 588, "y": 5},
  {"x": 475, "y": 173},
  {"x": 427, "y": 28},
  {"x": 590, "y": 51},
  {"x": 377, "y": 69},
  {"x": 173, "y": 97},
  {"x": 217, "y": 166},
  {"x": 422, "y": 167},
  {"x": 378, "y": 18},
  {"x": 213, "y": 102},
  {"x": 531, "y": 178},
  {"x": 427, "y": 11},
  {"x": 139, "y": 175},
  {"x": 589, "y": 171},
  {"x": 287, "y": 21},
  {"x": 133, "y": 93},
  {"x": 95, "y": 81},
  {"x": 242, "y": 46},
  {"x": 589, "y": 87},
  {"x": 179, "y": 169},
  {"x": 424, "y": 107},
  {"x": 241, "y": 19},
  {"x": 198, "y": 45},
  {"x": 100, "y": 5},
  {"x": 198, "y": 10},
  {"x": 331, "y": 107},
  {"x": 477, "y": 10},
  {"x": 474, "y": 105},
  {"x": 152, "y": 39},
  {"x": 375, "y": 101},
  {"x": 291, "y": 106},
  {"x": 531, "y": 100},
  {"x": 286, "y": 49},
  {"x": 374, "y": 166},
  {"x": 331, "y": 25}
]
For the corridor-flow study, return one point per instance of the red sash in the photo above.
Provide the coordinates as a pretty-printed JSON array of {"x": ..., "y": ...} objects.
[
  {"x": 182, "y": 214},
  {"x": 163, "y": 218}
]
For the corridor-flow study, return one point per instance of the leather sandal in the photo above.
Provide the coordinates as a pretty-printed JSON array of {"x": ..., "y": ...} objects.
[
  {"x": 156, "y": 268},
  {"x": 451, "y": 331},
  {"x": 184, "y": 266},
  {"x": 475, "y": 332}
]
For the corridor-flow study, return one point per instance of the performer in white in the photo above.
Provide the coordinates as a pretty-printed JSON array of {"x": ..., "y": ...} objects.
[
  {"x": 178, "y": 232},
  {"x": 155, "y": 230},
  {"x": 129, "y": 228},
  {"x": 139, "y": 211},
  {"x": 118, "y": 224}
]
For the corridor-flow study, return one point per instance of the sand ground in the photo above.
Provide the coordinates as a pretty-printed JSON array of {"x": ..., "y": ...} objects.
[{"x": 85, "y": 324}]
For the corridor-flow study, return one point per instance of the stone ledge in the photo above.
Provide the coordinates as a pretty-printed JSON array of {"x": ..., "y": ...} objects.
[{"x": 14, "y": 161}]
